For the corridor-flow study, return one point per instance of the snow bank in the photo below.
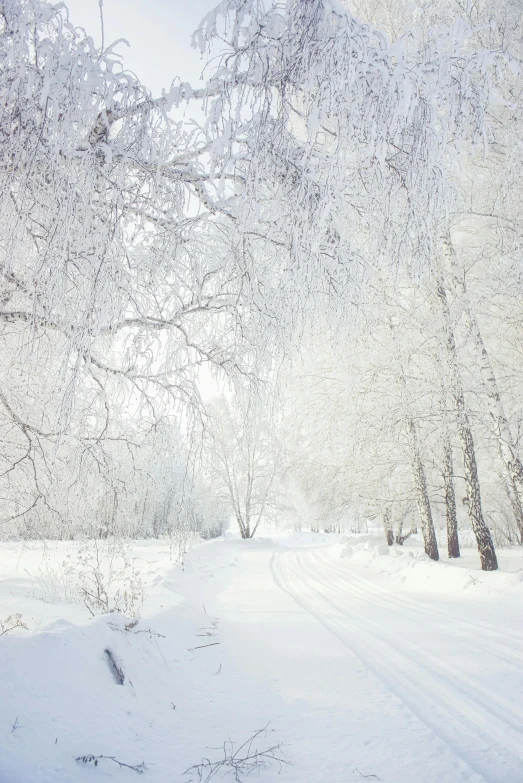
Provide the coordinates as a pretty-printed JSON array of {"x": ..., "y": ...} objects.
[
  {"x": 414, "y": 569},
  {"x": 247, "y": 634},
  {"x": 62, "y": 697}
]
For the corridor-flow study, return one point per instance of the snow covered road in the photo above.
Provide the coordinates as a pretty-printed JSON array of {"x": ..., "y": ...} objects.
[
  {"x": 363, "y": 663},
  {"x": 458, "y": 681}
]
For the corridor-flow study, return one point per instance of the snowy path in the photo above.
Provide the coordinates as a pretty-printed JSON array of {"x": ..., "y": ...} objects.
[
  {"x": 423, "y": 657},
  {"x": 400, "y": 687},
  {"x": 366, "y": 665}
]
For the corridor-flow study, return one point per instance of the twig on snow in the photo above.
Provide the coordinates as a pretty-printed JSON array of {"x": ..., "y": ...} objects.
[
  {"x": 89, "y": 758},
  {"x": 242, "y": 761},
  {"x": 151, "y": 632},
  {"x": 365, "y": 776},
  {"x": 115, "y": 666}
]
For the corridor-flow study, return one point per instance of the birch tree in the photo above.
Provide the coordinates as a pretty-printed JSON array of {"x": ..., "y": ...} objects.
[
  {"x": 362, "y": 135},
  {"x": 479, "y": 197},
  {"x": 137, "y": 247},
  {"x": 113, "y": 294},
  {"x": 243, "y": 460}
]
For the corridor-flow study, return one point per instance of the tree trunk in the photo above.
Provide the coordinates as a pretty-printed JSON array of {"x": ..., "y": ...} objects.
[
  {"x": 486, "y": 549},
  {"x": 400, "y": 537},
  {"x": 424, "y": 509},
  {"x": 484, "y": 539},
  {"x": 506, "y": 444},
  {"x": 387, "y": 526},
  {"x": 246, "y": 529},
  {"x": 514, "y": 496},
  {"x": 450, "y": 502},
  {"x": 418, "y": 473}
]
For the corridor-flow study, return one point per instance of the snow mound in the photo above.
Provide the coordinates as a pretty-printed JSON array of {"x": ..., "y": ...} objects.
[{"x": 416, "y": 570}]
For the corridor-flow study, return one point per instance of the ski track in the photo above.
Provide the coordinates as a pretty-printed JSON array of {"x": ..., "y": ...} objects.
[
  {"x": 414, "y": 651},
  {"x": 477, "y": 725},
  {"x": 379, "y": 595},
  {"x": 418, "y": 605}
]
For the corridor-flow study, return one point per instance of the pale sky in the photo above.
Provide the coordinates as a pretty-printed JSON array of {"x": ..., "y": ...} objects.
[{"x": 158, "y": 31}]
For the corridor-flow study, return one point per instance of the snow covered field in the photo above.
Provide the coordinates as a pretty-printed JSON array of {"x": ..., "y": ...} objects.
[{"x": 363, "y": 664}]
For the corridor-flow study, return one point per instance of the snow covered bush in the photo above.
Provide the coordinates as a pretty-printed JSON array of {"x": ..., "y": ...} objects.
[
  {"x": 11, "y": 623},
  {"x": 107, "y": 578},
  {"x": 101, "y": 573}
]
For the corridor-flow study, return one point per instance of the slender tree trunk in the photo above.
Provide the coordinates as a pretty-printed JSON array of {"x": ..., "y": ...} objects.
[
  {"x": 418, "y": 472},
  {"x": 387, "y": 526},
  {"x": 514, "y": 496},
  {"x": 144, "y": 506},
  {"x": 245, "y": 528},
  {"x": 507, "y": 448},
  {"x": 450, "y": 501},
  {"x": 448, "y": 473},
  {"x": 484, "y": 539},
  {"x": 424, "y": 509},
  {"x": 400, "y": 537}
]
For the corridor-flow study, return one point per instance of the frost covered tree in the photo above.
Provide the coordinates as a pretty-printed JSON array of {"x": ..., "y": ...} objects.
[
  {"x": 347, "y": 143},
  {"x": 339, "y": 123},
  {"x": 481, "y": 226},
  {"x": 243, "y": 460},
  {"x": 337, "y": 176},
  {"x": 365, "y": 421},
  {"x": 113, "y": 292}
]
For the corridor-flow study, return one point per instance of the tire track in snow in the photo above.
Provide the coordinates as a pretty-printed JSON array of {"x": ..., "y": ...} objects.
[
  {"x": 506, "y": 636},
  {"x": 477, "y": 692},
  {"x": 430, "y": 699},
  {"x": 386, "y": 598},
  {"x": 376, "y": 667}
]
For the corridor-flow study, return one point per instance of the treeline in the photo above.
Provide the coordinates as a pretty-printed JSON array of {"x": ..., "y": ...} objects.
[{"x": 337, "y": 245}]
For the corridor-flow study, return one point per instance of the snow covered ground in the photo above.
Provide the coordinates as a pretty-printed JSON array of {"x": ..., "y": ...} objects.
[{"x": 363, "y": 663}]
